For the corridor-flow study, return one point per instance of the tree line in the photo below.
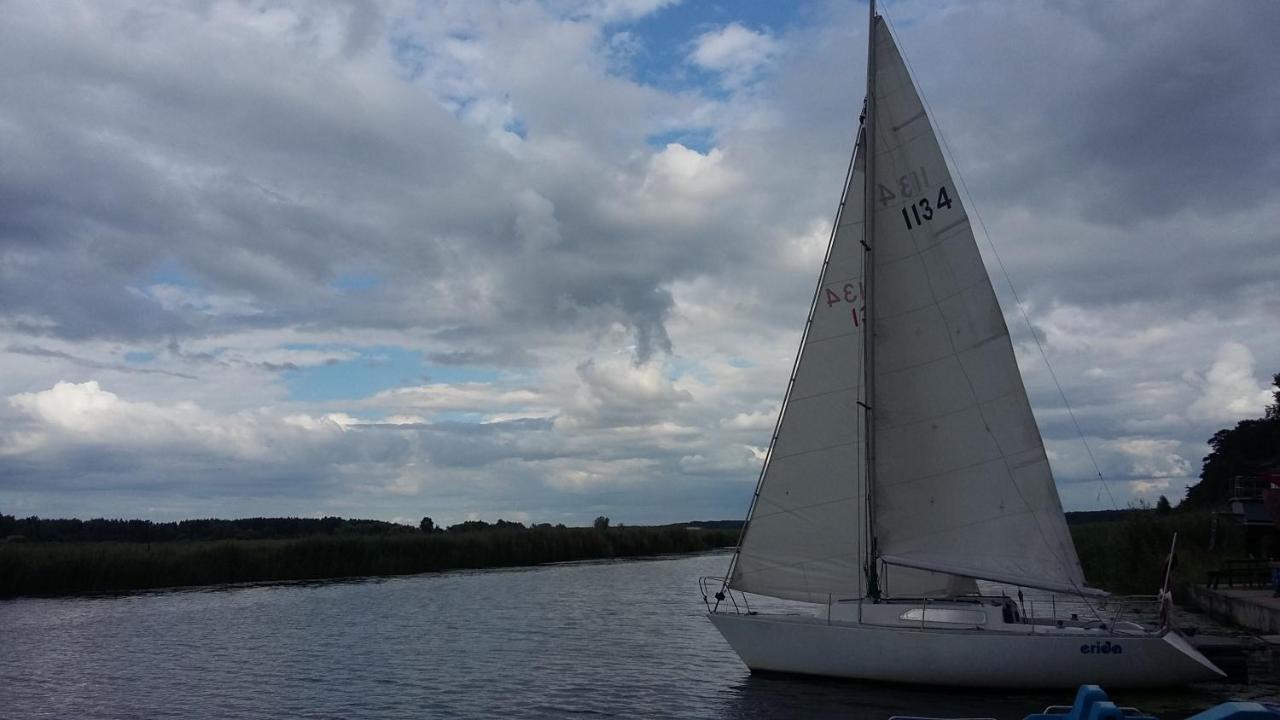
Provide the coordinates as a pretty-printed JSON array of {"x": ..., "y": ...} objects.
[
  {"x": 1250, "y": 449},
  {"x": 15, "y": 529},
  {"x": 147, "y": 531},
  {"x": 55, "y": 568}
]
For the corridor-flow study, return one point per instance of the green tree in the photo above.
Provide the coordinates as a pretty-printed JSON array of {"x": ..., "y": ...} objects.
[
  {"x": 427, "y": 525},
  {"x": 470, "y": 526},
  {"x": 1250, "y": 448},
  {"x": 1273, "y": 410},
  {"x": 1162, "y": 506},
  {"x": 602, "y": 523}
]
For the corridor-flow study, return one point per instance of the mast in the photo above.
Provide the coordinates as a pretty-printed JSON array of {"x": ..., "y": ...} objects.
[{"x": 868, "y": 333}]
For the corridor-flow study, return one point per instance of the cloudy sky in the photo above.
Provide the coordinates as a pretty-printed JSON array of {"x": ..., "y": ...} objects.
[{"x": 550, "y": 260}]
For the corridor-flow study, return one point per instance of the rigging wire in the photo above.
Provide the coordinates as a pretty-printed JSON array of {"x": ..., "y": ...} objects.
[{"x": 973, "y": 207}]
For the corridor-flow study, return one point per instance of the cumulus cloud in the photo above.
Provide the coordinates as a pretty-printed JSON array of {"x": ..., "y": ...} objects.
[
  {"x": 200, "y": 260},
  {"x": 1154, "y": 458},
  {"x": 462, "y": 397},
  {"x": 734, "y": 51},
  {"x": 608, "y": 11},
  {"x": 614, "y": 392},
  {"x": 69, "y": 415},
  {"x": 1229, "y": 390}
]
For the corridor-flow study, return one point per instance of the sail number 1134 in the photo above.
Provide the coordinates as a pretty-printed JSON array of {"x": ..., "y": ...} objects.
[
  {"x": 918, "y": 211},
  {"x": 921, "y": 211}
]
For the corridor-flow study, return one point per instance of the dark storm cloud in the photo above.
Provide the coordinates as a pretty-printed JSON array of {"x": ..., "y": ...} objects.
[
  {"x": 70, "y": 295},
  {"x": 487, "y": 357},
  {"x": 472, "y": 445},
  {"x": 268, "y": 184},
  {"x": 1149, "y": 125},
  {"x": 1197, "y": 129},
  {"x": 1132, "y": 110},
  {"x": 37, "y": 351},
  {"x": 271, "y": 184}
]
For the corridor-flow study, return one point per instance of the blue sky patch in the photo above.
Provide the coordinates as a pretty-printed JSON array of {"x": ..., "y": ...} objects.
[
  {"x": 700, "y": 139},
  {"x": 516, "y": 127},
  {"x": 409, "y": 54},
  {"x": 348, "y": 282},
  {"x": 376, "y": 369},
  {"x": 667, "y": 37},
  {"x": 169, "y": 272}
]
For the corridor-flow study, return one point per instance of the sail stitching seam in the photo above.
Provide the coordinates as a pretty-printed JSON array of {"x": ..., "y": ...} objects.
[
  {"x": 825, "y": 393},
  {"x": 821, "y": 449},
  {"x": 938, "y": 302},
  {"x": 765, "y": 566},
  {"x": 948, "y": 471},
  {"x": 831, "y": 337},
  {"x": 975, "y": 404},
  {"x": 909, "y": 120},
  {"x": 956, "y": 355},
  {"x": 786, "y": 511}
]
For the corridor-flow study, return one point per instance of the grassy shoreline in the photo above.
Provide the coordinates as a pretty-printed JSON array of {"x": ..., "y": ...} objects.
[
  {"x": 1128, "y": 556},
  {"x": 68, "y": 568},
  {"x": 1124, "y": 555}
]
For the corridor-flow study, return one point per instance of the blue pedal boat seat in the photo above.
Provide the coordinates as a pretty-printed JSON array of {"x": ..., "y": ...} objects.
[{"x": 1092, "y": 703}]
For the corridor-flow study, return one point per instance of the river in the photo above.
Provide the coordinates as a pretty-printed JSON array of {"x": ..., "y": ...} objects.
[{"x": 608, "y": 639}]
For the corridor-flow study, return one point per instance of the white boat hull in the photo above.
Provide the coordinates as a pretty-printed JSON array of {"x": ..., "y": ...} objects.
[{"x": 973, "y": 657}]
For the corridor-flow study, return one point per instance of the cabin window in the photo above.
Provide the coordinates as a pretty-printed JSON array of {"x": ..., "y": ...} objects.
[{"x": 945, "y": 615}]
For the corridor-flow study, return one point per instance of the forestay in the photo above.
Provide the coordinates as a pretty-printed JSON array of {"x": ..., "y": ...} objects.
[{"x": 962, "y": 483}]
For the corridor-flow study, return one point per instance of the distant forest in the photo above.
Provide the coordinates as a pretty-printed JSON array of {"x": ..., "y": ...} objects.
[
  {"x": 124, "y": 555},
  {"x": 58, "y": 557},
  {"x": 37, "y": 529},
  {"x": 145, "y": 531},
  {"x": 288, "y": 528}
]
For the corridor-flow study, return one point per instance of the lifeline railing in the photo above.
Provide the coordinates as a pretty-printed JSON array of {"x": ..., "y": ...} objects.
[{"x": 1112, "y": 614}]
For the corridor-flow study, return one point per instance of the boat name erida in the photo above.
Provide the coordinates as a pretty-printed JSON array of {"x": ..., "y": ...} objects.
[{"x": 1104, "y": 648}]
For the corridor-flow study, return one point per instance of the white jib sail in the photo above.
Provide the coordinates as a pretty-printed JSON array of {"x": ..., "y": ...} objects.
[{"x": 962, "y": 483}]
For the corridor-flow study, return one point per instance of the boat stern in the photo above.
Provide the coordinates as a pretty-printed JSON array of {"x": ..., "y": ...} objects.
[{"x": 1198, "y": 667}]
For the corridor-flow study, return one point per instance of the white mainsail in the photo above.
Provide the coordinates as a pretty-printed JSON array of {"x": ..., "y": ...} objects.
[
  {"x": 962, "y": 485},
  {"x": 804, "y": 539}
]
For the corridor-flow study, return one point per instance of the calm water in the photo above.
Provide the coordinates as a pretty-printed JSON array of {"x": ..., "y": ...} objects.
[{"x": 611, "y": 639}]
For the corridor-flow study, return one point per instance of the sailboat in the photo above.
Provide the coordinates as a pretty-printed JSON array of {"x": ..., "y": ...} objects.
[{"x": 906, "y": 465}]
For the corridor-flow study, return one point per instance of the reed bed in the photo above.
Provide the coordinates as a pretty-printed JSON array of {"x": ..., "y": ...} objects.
[{"x": 60, "y": 568}]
